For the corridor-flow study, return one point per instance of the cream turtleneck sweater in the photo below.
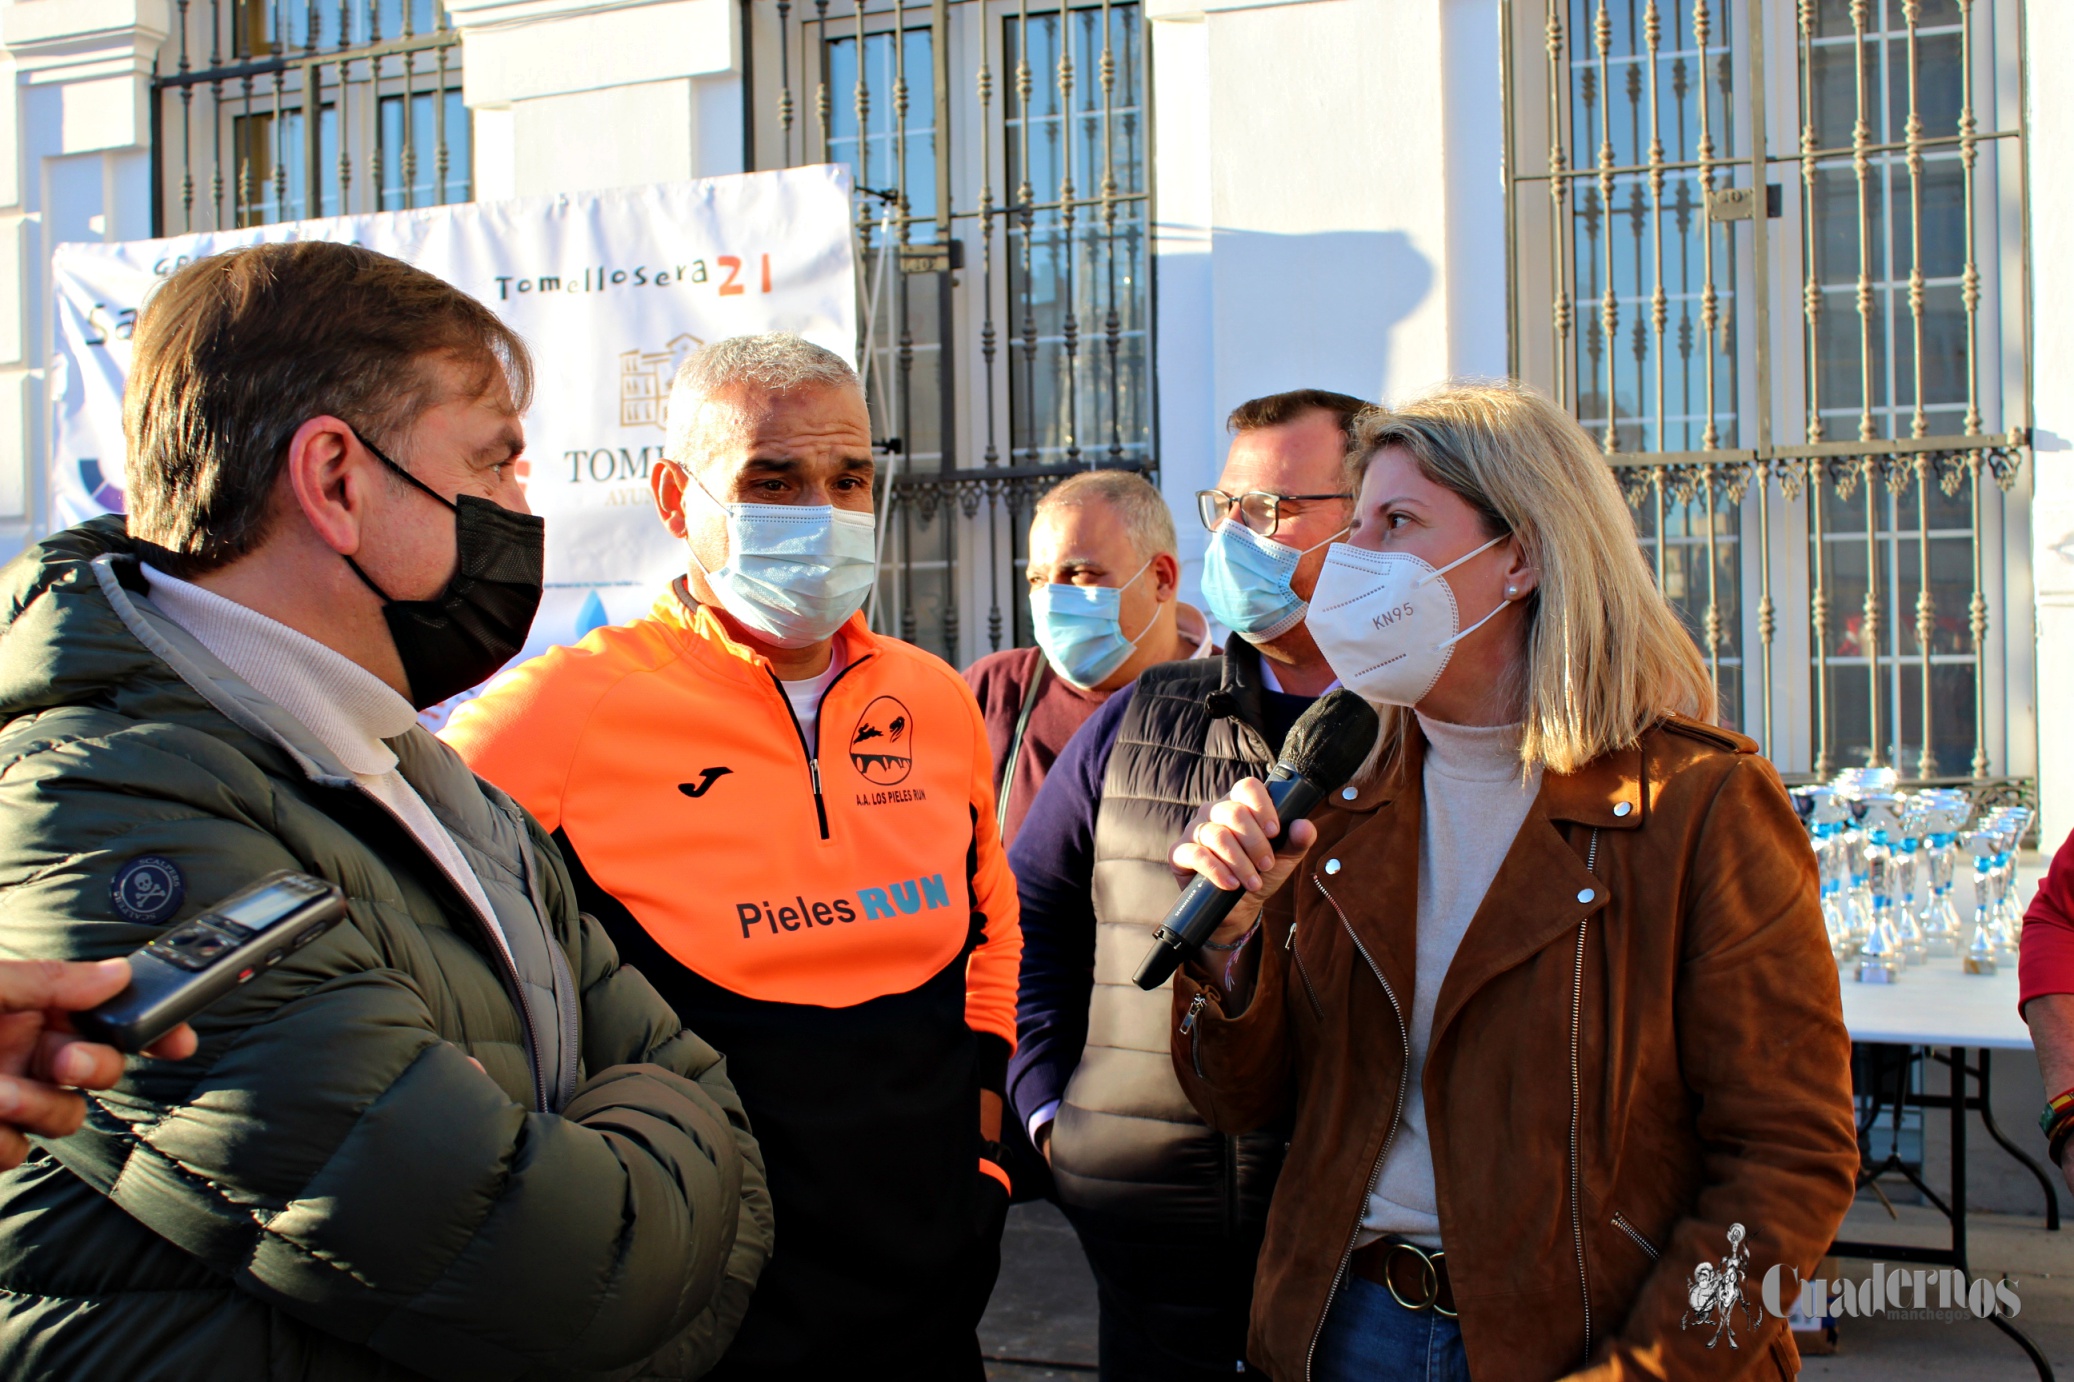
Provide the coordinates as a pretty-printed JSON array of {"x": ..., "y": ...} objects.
[
  {"x": 1475, "y": 799},
  {"x": 347, "y": 708}
]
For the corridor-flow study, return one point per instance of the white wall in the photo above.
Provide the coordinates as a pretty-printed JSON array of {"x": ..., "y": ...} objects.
[
  {"x": 75, "y": 164},
  {"x": 577, "y": 95},
  {"x": 1308, "y": 234},
  {"x": 2052, "y": 503},
  {"x": 567, "y": 97}
]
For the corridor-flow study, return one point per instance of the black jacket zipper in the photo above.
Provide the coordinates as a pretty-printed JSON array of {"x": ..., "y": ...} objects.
[{"x": 813, "y": 750}]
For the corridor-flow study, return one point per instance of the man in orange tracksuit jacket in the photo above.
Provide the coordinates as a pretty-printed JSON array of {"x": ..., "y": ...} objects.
[{"x": 786, "y": 822}]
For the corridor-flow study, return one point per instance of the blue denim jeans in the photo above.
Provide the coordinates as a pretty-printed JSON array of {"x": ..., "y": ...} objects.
[{"x": 1369, "y": 1337}]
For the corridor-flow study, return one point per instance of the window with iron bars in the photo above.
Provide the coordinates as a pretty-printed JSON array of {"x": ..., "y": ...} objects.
[
  {"x": 269, "y": 110},
  {"x": 1772, "y": 256},
  {"x": 1000, "y": 155}
]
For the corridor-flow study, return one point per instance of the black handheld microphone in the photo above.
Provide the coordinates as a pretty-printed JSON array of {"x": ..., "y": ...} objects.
[{"x": 1323, "y": 750}]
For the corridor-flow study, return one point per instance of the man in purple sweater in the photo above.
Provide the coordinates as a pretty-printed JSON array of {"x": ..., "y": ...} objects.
[{"x": 1105, "y": 585}]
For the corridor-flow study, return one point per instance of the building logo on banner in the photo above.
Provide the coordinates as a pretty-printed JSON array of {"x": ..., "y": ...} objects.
[
  {"x": 644, "y": 381},
  {"x": 610, "y": 290}
]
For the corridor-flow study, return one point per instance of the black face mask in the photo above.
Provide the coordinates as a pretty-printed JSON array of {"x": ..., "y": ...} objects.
[{"x": 478, "y": 623}]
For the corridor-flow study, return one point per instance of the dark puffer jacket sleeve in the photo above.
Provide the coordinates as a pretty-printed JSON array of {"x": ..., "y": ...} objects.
[
  {"x": 627, "y": 1024},
  {"x": 326, "y": 1149}
]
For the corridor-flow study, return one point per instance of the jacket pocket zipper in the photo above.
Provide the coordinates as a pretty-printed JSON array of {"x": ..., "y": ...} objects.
[
  {"x": 1303, "y": 972},
  {"x": 1195, "y": 1042},
  {"x": 1631, "y": 1231}
]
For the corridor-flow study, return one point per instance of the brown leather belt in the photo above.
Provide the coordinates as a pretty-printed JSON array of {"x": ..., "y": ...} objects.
[{"x": 1415, "y": 1277}]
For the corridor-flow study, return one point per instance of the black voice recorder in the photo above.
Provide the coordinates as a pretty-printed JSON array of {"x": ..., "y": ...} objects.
[{"x": 199, "y": 961}]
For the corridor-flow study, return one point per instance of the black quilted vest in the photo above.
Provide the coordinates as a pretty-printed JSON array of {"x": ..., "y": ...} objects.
[{"x": 1127, "y": 1142}]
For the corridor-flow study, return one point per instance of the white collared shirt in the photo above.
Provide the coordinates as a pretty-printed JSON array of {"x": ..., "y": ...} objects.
[{"x": 348, "y": 709}]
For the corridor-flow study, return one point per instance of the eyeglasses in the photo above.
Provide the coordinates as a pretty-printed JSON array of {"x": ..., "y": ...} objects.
[{"x": 1258, "y": 509}]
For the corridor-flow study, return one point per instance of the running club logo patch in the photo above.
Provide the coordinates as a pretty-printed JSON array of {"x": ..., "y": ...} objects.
[{"x": 882, "y": 745}]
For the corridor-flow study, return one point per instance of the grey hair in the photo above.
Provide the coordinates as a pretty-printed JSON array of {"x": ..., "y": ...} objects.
[
  {"x": 776, "y": 362},
  {"x": 1144, "y": 511}
]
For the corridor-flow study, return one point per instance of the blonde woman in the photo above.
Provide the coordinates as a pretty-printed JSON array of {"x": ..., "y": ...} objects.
[{"x": 1546, "y": 992}]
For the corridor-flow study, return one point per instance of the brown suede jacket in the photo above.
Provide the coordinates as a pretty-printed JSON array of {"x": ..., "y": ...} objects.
[{"x": 1639, "y": 1043}]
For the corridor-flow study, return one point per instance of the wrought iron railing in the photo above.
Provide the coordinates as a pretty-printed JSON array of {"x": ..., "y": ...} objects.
[
  {"x": 1646, "y": 281},
  {"x": 1002, "y": 152},
  {"x": 274, "y": 110}
]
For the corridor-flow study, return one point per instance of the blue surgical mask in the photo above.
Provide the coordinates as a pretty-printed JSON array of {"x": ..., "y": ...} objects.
[
  {"x": 1246, "y": 581},
  {"x": 1080, "y": 628},
  {"x": 794, "y": 573}
]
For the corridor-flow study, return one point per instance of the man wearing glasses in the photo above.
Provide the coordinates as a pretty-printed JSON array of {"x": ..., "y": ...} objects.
[{"x": 1169, "y": 1213}]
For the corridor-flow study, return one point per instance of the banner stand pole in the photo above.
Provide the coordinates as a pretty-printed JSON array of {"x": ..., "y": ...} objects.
[{"x": 864, "y": 372}]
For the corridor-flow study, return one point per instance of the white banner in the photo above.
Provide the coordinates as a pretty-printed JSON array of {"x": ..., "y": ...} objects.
[{"x": 611, "y": 290}]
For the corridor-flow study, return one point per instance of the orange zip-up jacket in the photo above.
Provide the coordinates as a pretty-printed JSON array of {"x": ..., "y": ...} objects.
[
  {"x": 827, "y": 874},
  {"x": 837, "y": 917}
]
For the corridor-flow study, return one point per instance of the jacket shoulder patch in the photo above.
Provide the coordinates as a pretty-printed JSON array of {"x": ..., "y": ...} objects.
[{"x": 148, "y": 889}]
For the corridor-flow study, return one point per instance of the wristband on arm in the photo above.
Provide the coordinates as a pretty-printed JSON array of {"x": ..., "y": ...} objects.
[{"x": 2057, "y": 1122}]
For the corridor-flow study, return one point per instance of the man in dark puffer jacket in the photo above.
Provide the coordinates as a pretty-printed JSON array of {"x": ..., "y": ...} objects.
[{"x": 453, "y": 1137}]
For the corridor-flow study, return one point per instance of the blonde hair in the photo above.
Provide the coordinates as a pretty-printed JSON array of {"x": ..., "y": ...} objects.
[{"x": 1606, "y": 655}]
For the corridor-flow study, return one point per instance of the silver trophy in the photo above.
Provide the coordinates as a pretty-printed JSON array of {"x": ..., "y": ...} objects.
[
  {"x": 1980, "y": 944},
  {"x": 1870, "y": 861},
  {"x": 1825, "y": 815},
  {"x": 1857, "y": 893},
  {"x": 1945, "y": 813},
  {"x": 2010, "y": 825},
  {"x": 1878, "y": 962},
  {"x": 1887, "y": 873},
  {"x": 1854, "y": 786}
]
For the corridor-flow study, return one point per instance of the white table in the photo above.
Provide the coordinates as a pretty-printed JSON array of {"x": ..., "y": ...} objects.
[
  {"x": 1937, "y": 1004},
  {"x": 1931, "y": 1007}
]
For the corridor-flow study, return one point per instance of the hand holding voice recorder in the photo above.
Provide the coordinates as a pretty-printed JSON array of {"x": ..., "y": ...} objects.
[{"x": 199, "y": 961}]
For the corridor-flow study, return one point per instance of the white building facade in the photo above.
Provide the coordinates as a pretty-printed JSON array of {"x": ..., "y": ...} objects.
[{"x": 1799, "y": 266}]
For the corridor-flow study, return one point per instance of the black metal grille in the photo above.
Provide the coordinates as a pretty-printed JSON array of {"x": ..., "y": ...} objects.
[
  {"x": 1652, "y": 251},
  {"x": 1001, "y": 151},
  {"x": 281, "y": 111}
]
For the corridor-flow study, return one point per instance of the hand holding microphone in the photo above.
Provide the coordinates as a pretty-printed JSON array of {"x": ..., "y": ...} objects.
[
  {"x": 1242, "y": 853},
  {"x": 1240, "y": 846}
]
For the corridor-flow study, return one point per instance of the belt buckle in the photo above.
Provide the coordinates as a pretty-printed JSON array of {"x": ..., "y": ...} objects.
[{"x": 1429, "y": 1268}]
